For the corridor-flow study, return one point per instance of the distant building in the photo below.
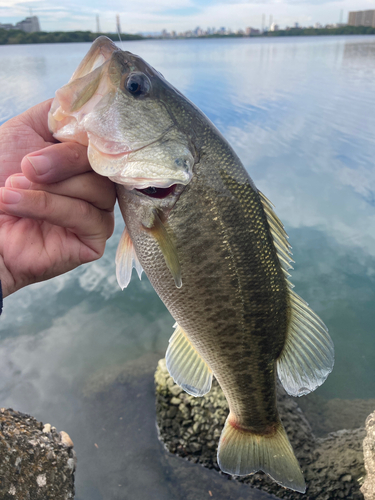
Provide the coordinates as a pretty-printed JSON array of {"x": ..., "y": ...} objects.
[
  {"x": 29, "y": 25},
  {"x": 274, "y": 27},
  {"x": 251, "y": 31},
  {"x": 7, "y": 27},
  {"x": 362, "y": 18}
]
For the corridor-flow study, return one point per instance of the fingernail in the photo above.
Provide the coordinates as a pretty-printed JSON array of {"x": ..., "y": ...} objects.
[
  {"x": 41, "y": 164},
  {"x": 18, "y": 181},
  {"x": 9, "y": 196}
]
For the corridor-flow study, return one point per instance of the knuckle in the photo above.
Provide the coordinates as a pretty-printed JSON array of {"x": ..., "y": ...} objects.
[
  {"x": 45, "y": 202},
  {"x": 84, "y": 210},
  {"x": 110, "y": 224}
]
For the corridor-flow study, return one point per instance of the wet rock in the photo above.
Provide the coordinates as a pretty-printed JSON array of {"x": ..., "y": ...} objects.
[
  {"x": 368, "y": 488},
  {"x": 65, "y": 440},
  {"x": 334, "y": 414},
  {"x": 34, "y": 462},
  {"x": 333, "y": 466}
]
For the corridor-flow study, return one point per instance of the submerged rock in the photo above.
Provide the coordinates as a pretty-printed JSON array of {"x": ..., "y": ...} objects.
[
  {"x": 36, "y": 462},
  {"x": 190, "y": 427},
  {"x": 334, "y": 414},
  {"x": 368, "y": 488}
]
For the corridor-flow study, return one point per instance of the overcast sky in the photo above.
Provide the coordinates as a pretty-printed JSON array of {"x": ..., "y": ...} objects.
[{"x": 180, "y": 15}]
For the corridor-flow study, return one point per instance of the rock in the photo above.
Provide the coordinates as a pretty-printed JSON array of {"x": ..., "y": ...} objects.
[
  {"x": 47, "y": 428},
  {"x": 334, "y": 414},
  {"x": 333, "y": 466},
  {"x": 65, "y": 440},
  {"x": 34, "y": 462},
  {"x": 368, "y": 487}
]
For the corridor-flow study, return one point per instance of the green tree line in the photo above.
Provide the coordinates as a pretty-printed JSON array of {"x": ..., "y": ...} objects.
[
  {"x": 8, "y": 37},
  {"x": 342, "y": 30}
]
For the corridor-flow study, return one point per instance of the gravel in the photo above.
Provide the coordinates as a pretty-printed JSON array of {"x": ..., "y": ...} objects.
[
  {"x": 36, "y": 462},
  {"x": 190, "y": 427}
]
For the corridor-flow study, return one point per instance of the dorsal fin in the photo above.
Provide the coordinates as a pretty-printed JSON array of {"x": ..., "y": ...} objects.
[
  {"x": 308, "y": 355},
  {"x": 280, "y": 238}
]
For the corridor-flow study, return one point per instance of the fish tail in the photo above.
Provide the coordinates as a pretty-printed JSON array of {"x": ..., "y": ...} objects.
[{"x": 242, "y": 452}]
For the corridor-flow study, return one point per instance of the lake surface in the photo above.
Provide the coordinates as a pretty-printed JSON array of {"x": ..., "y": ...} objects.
[{"x": 300, "y": 112}]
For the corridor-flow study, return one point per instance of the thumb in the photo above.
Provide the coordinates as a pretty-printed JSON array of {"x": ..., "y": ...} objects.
[{"x": 56, "y": 163}]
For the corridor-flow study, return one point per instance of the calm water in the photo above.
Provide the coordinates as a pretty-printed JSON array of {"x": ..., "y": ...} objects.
[{"x": 301, "y": 115}]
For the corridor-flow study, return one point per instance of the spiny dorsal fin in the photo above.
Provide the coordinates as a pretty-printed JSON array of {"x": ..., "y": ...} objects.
[
  {"x": 126, "y": 259},
  {"x": 308, "y": 355},
  {"x": 280, "y": 238},
  {"x": 186, "y": 366}
]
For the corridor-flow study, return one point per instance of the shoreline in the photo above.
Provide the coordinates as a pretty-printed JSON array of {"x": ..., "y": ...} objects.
[{"x": 18, "y": 37}]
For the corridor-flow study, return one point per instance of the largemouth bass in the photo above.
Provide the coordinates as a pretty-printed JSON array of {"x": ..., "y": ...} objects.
[{"x": 211, "y": 246}]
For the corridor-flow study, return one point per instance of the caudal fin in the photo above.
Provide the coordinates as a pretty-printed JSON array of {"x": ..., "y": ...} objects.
[{"x": 240, "y": 453}]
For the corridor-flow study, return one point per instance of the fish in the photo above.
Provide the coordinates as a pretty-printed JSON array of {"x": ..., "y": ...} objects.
[{"x": 211, "y": 245}]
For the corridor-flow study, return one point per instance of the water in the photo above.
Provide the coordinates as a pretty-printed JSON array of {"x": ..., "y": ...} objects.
[{"x": 301, "y": 115}]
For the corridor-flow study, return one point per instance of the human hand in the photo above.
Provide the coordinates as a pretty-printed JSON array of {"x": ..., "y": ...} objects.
[{"x": 55, "y": 212}]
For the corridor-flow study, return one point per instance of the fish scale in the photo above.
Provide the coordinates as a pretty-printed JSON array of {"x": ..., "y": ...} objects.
[
  {"x": 211, "y": 246},
  {"x": 250, "y": 280}
]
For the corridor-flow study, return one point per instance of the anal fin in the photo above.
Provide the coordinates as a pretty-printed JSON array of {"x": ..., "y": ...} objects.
[
  {"x": 186, "y": 366},
  {"x": 308, "y": 355},
  {"x": 126, "y": 259}
]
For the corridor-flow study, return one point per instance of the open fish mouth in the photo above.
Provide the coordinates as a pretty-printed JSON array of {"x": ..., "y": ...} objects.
[{"x": 161, "y": 193}]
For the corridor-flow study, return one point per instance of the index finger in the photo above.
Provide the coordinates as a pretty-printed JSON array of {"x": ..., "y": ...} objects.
[
  {"x": 36, "y": 118},
  {"x": 56, "y": 163}
]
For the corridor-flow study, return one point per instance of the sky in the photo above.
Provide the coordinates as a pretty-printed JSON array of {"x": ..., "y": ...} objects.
[{"x": 179, "y": 15}]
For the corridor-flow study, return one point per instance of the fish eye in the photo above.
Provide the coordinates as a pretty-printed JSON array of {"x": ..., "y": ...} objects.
[{"x": 138, "y": 84}]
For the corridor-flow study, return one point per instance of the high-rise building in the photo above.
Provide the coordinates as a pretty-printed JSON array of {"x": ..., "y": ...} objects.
[{"x": 362, "y": 18}]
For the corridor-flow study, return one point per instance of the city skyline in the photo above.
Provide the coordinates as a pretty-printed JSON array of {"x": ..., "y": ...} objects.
[{"x": 180, "y": 16}]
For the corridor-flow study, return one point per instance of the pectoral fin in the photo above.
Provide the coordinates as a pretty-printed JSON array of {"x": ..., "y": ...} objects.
[
  {"x": 167, "y": 247},
  {"x": 308, "y": 355},
  {"x": 126, "y": 259},
  {"x": 186, "y": 366}
]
